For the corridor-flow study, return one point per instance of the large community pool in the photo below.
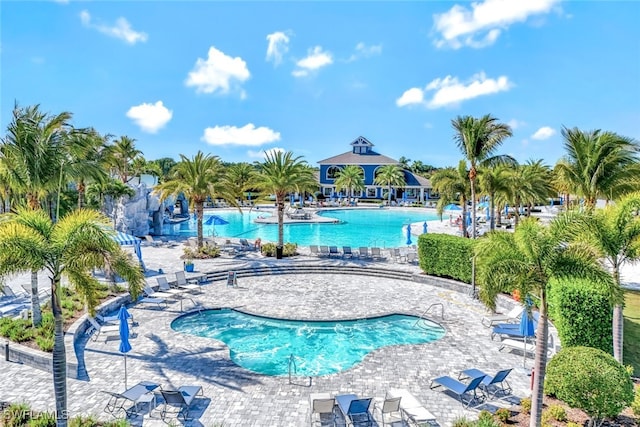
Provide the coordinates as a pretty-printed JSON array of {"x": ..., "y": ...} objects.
[
  {"x": 355, "y": 227},
  {"x": 273, "y": 346}
]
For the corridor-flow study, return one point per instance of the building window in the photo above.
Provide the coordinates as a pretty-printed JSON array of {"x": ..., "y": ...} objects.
[
  {"x": 371, "y": 192},
  {"x": 333, "y": 171}
]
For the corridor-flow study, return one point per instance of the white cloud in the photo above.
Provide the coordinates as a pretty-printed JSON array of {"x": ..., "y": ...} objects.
[
  {"x": 543, "y": 133},
  {"x": 278, "y": 46},
  {"x": 150, "y": 117},
  {"x": 415, "y": 95},
  {"x": 121, "y": 30},
  {"x": 450, "y": 91},
  {"x": 262, "y": 153},
  {"x": 515, "y": 123},
  {"x": 482, "y": 24},
  {"x": 364, "y": 51},
  {"x": 218, "y": 73},
  {"x": 246, "y": 135},
  {"x": 316, "y": 58}
]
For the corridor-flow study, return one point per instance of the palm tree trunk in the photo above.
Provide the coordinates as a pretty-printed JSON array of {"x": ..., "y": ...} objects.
[
  {"x": 618, "y": 321},
  {"x": 59, "y": 355},
  {"x": 492, "y": 223},
  {"x": 280, "y": 202},
  {"x": 36, "y": 314},
  {"x": 389, "y": 196},
  {"x": 473, "y": 205},
  {"x": 540, "y": 364},
  {"x": 199, "y": 208}
]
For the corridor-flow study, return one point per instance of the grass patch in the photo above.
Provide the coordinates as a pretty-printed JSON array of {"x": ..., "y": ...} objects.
[{"x": 631, "y": 350}]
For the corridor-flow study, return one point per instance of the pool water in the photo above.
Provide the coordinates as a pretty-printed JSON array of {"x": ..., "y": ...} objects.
[
  {"x": 264, "y": 345},
  {"x": 355, "y": 227}
]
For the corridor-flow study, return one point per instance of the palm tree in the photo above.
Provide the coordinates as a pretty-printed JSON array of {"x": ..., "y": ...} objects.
[
  {"x": 527, "y": 260},
  {"x": 452, "y": 184},
  {"x": 530, "y": 184},
  {"x": 281, "y": 174},
  {"x": 350, "y": 178},
  {"x": 391, "y": 176},
  {"x": 196, "y": 179},
  {"x": 494, "y": 183},
  {"x": 599, "y": 164},
  {"x": 71, "y": 248},
  {"x": 478, "y": 139},
  {"x": 615, "y": 233},
  {"x": 121, "y": 156},
  {"x": 238, "y": 178}
]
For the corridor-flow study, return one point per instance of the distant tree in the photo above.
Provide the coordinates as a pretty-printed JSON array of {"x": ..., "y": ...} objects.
[
  {"x": 165, "y": 164},
  {"x": 390, "y": 176},
  {"x": 121, "y": 156},
  {"x": 478, "y": 140},
  {"x": 404, "y": 162},
  {"x": 237, "y": 179},
  {"x": 494, "y": 182},
  {"x": 453, "y": 185},
  {"x": 350, "y": 178}
]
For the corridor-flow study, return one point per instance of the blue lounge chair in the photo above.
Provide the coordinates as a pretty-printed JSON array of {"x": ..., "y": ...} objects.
[
  {"x": 333, "y": 251},
  {"x": 355, "y": 410},
  {"x": 347, "y": 252},
  {"x": 511, "y": 329},
  {"x": 460, "y": 389},
  {"x": 498, "y": 383}
]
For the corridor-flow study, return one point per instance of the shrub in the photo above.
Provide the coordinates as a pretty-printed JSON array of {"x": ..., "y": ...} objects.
[
  {"x": 16, "y": 415},
  {"x": 525, "y": 404},
  {"x": 462, "y": 422},
  {"x": 43, "y": 419},
  {"x": 269, "y": 249},
  {"x": 589, "y": 379},
  {"x": 503, "y": 414},
  {"x": 117, "y": 423},
  {"x": 446, "y": 256},
  {"x": 45, "y": 343},
  {"x": 635, "y": 406},
  {"x": 572, "y": 424},
  {"x": 557, "y": 412},
  {"x": 582, "y": 314},
  {"x": 81, "y": 421}
]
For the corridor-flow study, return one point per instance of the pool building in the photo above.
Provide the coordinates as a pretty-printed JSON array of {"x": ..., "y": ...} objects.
[{"x": 417, "y": 188}]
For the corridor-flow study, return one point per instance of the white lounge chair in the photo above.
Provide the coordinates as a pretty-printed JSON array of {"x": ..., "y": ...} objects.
[
  {"x": 180, "y": 400},
  {"x": 511, "y": 316},
  {"x": 528, "y": 346},
  {"x": 321, "y": 404},
  {"x": 108, "y": 330},
  {"x": 177, "y": 293},
  {"x": 184, "y": 283},
  {"x": 413, "y": 409},
  {"x": 389, "y": 410}
]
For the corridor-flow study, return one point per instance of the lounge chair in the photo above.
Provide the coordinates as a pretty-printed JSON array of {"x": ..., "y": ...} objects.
[
  {"x": 376, "y": 254},
  {"x": 160, "y": 302},
  {"x": 177, "y": 293},
  {"x": 183, "y": 282},
  {"x": 412, "y": 257},
  {"x": 511, "y": 316},
  {"x": 315, "y": 251},
  {"x": 149, "y": 292},
  {"x": 180, "y": 400},
  {"x": 108, "y": 330},
  {"x": 498, "y": 382},
  {"x": 347, "y": 252},
  {"x": 321, "y": 404},
  {"x": 528, "y": 346},
  {"x": 363, "y": 253},
  {"x": 355, "y": 410},
  {"x": 149, "y": 239},
  {"x": 411, "y": 407},
  {"x": 397, "y": 255},
  {"x": 333, "y": 251},
  {"x": 42, "y": 293},
  {"x": 324, "y": 250},
  {"x": 460, "y": 389},
  {"x": 390, "y": 412},
  {"x": 7, "y": 291},
  {"x": 245, "y": 245},
  {"x": 139, "y": 393}
]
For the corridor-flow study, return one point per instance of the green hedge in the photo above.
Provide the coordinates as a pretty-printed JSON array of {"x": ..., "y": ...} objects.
[
  {"x": 446, "y": 256},
  {"x": 582, "y": 313}
]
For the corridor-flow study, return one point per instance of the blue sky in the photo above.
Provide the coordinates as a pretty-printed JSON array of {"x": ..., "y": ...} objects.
[{"x": 236, "y": 78}]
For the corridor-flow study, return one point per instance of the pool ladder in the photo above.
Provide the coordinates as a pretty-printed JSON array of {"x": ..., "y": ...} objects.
[
  {"x": 435, "y": 304},
  {"x": 291, "y": 360}
]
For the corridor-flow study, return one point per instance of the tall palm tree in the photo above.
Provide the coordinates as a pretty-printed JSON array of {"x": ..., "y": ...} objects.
[
  {"x": 493, "y": 182},
  {"x": 615, "y": 233},
  {"x": 32, "y": 152},
  {"x": 71, "y": 248},
  {"x": 239, "y": 178},
  {"x": 281, "y": 174},
  {"x": 350, "y": 178},
  {"x": 530, "y": 184},
  {"x": 122, "y": 154},
  {"x": 196, "y": 178},
  {"x": 527, "y": 260},
  {"x": 391, "y": 176},
  {"x": 599, "y": 164},
  {"x": 452, "y": 184},
  {"x": 478, "y": 140}
]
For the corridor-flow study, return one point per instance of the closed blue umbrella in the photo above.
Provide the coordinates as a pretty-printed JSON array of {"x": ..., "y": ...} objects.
[
  {"x": 506, "y": 209},
  {"x": 425, "y": 227},
  {"x": 125, "y": 347},
  {"x": 527, "y": 328},
  {"x": 408, "y": 234}
]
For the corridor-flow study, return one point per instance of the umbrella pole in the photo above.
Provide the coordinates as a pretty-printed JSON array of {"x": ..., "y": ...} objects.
[{"x": 125, "y": 372}]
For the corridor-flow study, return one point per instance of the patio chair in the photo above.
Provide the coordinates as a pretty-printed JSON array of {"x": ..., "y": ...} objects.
[
  {"x": 412, "y": 257},
  {"x": 245, "y": 245},
  {"x": 139, "y": 393},
  {"x": 333, "y": 251},
  {"x": 498, "y": 382},
  {"x": 321, "y": 404},
  {"x": 324, "y": 250},
  {"x": 460, "y": 389},
  {"x": 109, "y": 330},
  {"x": 411, "y": 407},
  {"x": 376, "y": 254},
  {"x": 525, "y": 346},
  {"x": 179, "y": 401},
  {"x": 355, "y": 410},
  {"x": 363, "y": 253},
  {"x": 397, "y": 255},
  {"x": 149, "y": 292},
  {"x": 389, "y": 410},
  {"x": 160, "y": 302},
  {"x": 511, "y": 316},
  {"x": 42, "y": 293},
  {"x": 176, "y": 293},
  {"x": 155, "y": 243},
  {"x": 347, "y": 252},
  {"x": 183, "y": 282},
  {"x": 7, "y": 291},
  {"x": 315, "y": 251}
]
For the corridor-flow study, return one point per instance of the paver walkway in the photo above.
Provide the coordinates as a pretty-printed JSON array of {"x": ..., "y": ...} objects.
[{"x": 236, "y": 397}]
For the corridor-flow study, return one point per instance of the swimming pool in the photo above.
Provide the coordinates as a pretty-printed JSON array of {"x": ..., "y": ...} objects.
[
  {"x": 265, "y": 345},
  {"x": 356, "y": 227}
]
